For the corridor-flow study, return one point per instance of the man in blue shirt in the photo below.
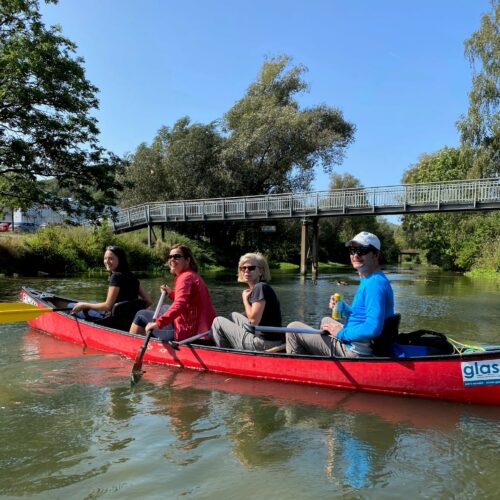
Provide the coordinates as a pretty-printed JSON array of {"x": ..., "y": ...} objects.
[{"x": 372, "y": 304}]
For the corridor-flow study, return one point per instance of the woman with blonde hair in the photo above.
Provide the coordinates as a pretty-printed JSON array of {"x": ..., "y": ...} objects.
[{"x": 261, "y": 305}]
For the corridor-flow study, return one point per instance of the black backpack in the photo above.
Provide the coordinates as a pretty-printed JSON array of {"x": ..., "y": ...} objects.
[{"x": 421, "y": 343}]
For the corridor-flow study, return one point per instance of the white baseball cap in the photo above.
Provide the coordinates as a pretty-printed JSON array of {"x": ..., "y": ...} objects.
[{"x": 364, "y": 238}]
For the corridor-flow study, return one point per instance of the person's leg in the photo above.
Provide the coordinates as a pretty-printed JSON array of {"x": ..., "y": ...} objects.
[
  {"x": 327, "y": 319},
  {"x": 165, "y": 334},
  {"x": 307, "y": 343},
  {"x": 339, "y": 349},
  {"x": 239, "y": 319},
  {"x": 227, "y": 334},
  {"x": 232, "y": 334},
  {"x": 145, "y": 316}
]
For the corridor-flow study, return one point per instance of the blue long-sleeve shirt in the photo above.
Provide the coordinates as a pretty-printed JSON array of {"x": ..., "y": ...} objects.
[{"x": 373, "y": 302}]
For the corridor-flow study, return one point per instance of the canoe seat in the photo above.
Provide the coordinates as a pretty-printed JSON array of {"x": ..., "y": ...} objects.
[
  {"x": 381, "y": 345},
  {"x": 122, "y": 314},
  {"x": 277, "y": 348}
]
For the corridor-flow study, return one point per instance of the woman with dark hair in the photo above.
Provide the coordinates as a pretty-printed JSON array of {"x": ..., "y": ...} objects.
[
  {"x": 123, "y": 285},
  {"x": 262, "y": 307},
  {"x": 191, "y": 311}
]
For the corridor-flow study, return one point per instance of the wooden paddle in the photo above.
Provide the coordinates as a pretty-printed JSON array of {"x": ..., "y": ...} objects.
[
  {"x": 15, "y": 312},
  {"x": 136, "y": 373}
]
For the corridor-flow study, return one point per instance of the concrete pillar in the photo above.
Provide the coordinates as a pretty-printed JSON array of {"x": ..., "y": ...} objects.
[
  {"x": 315, "y": 248},
  {"x": 303, "y": 248}
]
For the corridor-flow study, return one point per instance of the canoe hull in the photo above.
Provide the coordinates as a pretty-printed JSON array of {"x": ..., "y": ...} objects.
[{"x": 466, "y": 378}]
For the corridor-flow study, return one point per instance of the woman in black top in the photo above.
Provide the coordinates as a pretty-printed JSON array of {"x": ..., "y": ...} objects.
[
  {"x": 261, "y": 305},
  {"x": 123, "y": 285}
]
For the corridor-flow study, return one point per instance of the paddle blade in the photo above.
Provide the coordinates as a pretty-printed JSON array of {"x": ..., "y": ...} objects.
[
  {"x": 135, "y": 377},
  {"x": 136, "y": 373},
  {"x": 18, "y": 311}
]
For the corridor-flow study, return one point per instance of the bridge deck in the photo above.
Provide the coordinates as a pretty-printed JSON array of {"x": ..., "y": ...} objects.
[{"x": 482, "y": 194}]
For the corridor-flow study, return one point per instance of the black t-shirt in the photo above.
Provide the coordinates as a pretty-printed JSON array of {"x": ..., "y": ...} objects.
[
  {"x": 272, "y": 311},
  {"x": 127, "y": 283}
]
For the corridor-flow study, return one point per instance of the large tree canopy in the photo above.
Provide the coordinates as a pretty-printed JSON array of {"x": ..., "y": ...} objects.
[
  {"x": 46, "y": 127},
  {"x": 273, "y": 142},
  {"x": 480, "y": 128},
  {"x": 266, "y": 144}
]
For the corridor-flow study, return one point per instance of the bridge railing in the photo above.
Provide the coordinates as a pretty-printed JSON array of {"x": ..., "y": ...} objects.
[{"x": 407, "y": 198}]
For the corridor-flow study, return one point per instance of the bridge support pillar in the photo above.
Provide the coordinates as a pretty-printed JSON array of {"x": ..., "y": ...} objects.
[
  {"x": 150, "y": 236},
  {"x": 303, "y": 248},
  {"x": 315, "y": 248}
]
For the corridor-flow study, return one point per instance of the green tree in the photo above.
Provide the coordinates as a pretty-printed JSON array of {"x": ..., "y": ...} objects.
[
  {"x": 46, "y": 127},
  {"x": 452, "y": 240},
  {"x": 181, "y": 163},
  {"x": 274, "y": 146},
  {"x": 480, "y": 128}
]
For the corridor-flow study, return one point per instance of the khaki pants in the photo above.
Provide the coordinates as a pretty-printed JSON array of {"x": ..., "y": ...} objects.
[{"x": 322, "y": 345}]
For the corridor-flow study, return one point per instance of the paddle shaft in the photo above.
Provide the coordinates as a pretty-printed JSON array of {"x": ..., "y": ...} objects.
[
  {"x": 281, "y": 329},
  {"x": 136, "y": 369},
  {"x": 198, "y": 336}
]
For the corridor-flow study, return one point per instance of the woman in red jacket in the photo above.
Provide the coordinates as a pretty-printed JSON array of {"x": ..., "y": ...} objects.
[{"x": 191, "y": 311}]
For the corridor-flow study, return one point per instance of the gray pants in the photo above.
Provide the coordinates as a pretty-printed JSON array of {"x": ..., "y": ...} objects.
[
  {"x": 311, "y": 343},
  {"x": 230, "y": 333}
]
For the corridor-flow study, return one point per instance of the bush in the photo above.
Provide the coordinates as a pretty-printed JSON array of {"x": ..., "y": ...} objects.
[{"x": 71, "y": 250}]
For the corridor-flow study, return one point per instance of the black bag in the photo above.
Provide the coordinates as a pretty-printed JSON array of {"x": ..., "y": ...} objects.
[{"x": 420, "y": 343}]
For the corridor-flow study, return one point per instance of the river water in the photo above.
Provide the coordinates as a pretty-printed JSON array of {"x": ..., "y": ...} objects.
[{"x": 72, "y": 427}]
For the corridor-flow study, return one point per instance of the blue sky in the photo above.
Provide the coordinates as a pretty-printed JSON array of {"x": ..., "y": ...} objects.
[{"x": 396, "y": 68}]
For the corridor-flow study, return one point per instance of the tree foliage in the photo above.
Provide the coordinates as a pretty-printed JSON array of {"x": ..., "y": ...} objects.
[
  {"x": 450, "y": 240},
  {"x": 274, "y": 142},
  {"x": 265, "y": 144},
  {"x": 46, "y": 127},
  {"x": 480, "y": 128}
]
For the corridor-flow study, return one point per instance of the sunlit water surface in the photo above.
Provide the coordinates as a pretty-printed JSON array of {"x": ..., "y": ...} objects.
[{"x": 72, "y": 427}]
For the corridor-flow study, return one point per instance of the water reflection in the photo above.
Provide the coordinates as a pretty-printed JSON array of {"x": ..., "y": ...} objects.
[{"x": 69, "y": 421}]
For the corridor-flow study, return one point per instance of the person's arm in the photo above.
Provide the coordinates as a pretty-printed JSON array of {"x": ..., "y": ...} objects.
[
  {"x": 371, "y": 327},
  {"x": 255, "y": 310},
  {"x": 182, "y": 298},
  {"x": 105, "y": 306},
  {"x": 143, "y": 294}
]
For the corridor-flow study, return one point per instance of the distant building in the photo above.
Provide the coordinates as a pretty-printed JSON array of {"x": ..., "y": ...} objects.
[{"x": 40, "y": 215}]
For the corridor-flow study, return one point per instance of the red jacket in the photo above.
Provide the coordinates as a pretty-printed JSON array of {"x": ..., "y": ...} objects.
[{"x": 192, "y": 311}]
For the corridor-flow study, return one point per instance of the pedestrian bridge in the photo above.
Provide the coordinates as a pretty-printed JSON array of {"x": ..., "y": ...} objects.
[{"x": 463, "y": 195}]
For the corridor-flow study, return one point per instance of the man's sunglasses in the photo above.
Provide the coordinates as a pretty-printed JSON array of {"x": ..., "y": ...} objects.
[
  {"x": 360, "y": 250},
  {"x": 176, "y": 256},
  {"x": 248, "y": 268}
]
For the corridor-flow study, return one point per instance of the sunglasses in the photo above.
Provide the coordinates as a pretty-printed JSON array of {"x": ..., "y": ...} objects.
[
  {"x": 360, "y": 250},
  {"x": 248, "y": 268},
  {"x": 175, "y": 256}
]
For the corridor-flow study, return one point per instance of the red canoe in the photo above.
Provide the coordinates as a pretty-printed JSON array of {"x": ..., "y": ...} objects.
[{"x": 472, "y": 377}]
